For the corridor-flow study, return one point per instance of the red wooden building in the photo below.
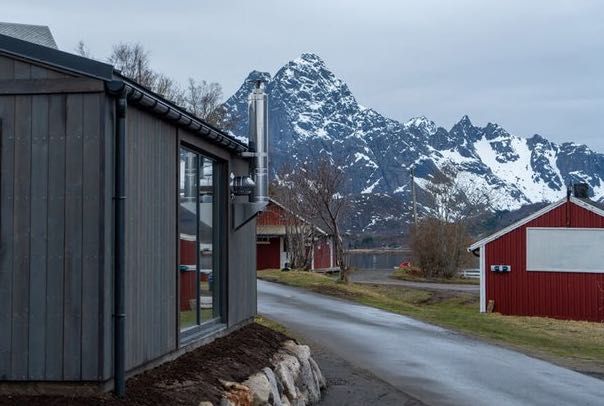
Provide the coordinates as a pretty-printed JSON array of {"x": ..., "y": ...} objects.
[
  {"x": 271, "y": 241},
  {"x": 550, "y": 264}
]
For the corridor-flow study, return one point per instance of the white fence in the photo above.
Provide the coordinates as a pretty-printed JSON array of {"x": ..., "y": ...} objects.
[{"x": 470, "y": 273}]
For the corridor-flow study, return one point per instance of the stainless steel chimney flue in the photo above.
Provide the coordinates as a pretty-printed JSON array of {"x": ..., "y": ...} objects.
[
  {"x": 258, "y": 138},
  {"x": 243, "y": 211}
]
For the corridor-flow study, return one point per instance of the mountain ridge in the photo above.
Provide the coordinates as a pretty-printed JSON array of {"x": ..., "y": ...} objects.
[{"x": 313, "y": 112}]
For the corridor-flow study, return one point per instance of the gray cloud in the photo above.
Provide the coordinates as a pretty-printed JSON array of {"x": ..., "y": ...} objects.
[{"x": 533, "y": 66}]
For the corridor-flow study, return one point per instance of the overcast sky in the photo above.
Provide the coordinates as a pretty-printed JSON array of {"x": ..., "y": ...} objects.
[{"x": 533, "y": 66}]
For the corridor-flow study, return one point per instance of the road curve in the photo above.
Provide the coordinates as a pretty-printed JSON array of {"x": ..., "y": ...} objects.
[{"x": 432, "y": 364}]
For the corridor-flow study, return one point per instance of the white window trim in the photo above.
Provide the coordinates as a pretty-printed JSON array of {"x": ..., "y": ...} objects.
[{"x": 563, "y": 270}]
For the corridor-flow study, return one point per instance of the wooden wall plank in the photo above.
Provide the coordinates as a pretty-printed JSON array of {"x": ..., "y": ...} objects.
[
  {"x": 108, "y": 240},
  {"x": 7, "y": 162},
  {"x": 38, "y": 238},
  {"x": 20, "y": 333},
  {"x": 151, "y": 129},
  {"x": 91, "y": 221},
  {"x": 19, "y": 360},
  {"x": 173, "y": 206},
  {"x": 101, "y": 240},
  {"x": 160, "y": 229},
  {"x": 56, "y": 242},
  {"x": 72, "y": 319},
  {"x": 130, "y": 230},
  {"x": 39, "y": 231}
]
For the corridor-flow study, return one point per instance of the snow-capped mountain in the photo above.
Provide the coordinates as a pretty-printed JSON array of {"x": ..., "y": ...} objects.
[{"x": 313, "y": 112}]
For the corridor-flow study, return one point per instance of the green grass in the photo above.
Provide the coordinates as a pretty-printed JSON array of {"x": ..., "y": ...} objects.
[
  {"x": 403, "y": 274},
  {"x": 273, "y": 325},
  {"x": 575, "y": 344},
  {"x": 188, "y": 317}
]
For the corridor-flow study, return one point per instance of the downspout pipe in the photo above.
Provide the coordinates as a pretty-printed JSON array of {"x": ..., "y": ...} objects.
[{"x": 119, "y": 200}]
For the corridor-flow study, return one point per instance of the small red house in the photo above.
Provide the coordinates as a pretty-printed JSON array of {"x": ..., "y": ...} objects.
[
  {"x": 550, "y": 264},
  {"x": 271, "y": 241}
]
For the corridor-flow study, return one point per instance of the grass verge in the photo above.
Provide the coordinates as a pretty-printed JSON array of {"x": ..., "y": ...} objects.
[
  {"x": 404, "y": 275},
  {"x": 574, "y": 344},
  {"x": 273, "y": 325}
]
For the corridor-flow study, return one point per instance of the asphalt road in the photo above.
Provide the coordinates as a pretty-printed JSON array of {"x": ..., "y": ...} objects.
[
  {"x": 432, "y": 364},
  {"x": 382, "y": 277}
]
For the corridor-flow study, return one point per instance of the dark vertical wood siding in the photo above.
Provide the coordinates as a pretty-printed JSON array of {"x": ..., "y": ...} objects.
[
  {"x": 562, "y": 295},
  {"x": 51, "y": 224},
  {"x": 7, "y": 206},
  {"x": 106, "y": 280},
  {"x": 56, "y": 234},
  {"x": 152, "y": 151},
  {"x": 242, "y": 274}
]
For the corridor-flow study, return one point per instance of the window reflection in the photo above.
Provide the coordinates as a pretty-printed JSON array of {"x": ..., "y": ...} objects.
[{"x": 199, "y": 277}]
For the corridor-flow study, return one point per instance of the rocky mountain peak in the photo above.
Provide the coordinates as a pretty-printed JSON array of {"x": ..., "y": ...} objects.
[
  {"x": 310, "y": 58},
  {"x": 312, "y": 112},
  {"x": 422, "y": 124}
]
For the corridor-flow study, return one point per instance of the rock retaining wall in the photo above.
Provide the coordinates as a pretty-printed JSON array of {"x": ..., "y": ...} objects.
[{"x": 294, "y": 380}]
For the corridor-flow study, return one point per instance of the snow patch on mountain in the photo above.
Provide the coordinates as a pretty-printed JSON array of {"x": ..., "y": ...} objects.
[{"x": 313, "y": 112}]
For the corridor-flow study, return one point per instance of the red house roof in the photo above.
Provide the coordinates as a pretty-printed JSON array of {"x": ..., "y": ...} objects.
[
  {"x": 274, "y": 215},
  {"x": 584, "y": 203}
]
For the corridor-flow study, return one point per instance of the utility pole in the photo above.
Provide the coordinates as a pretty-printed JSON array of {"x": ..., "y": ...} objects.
[{"x": 413, "y": 193}]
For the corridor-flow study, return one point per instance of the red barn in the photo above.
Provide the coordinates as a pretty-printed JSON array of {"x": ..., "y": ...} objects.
[
  {"x": 550, "y": 264},
  {"x": 271, "y": 241}
]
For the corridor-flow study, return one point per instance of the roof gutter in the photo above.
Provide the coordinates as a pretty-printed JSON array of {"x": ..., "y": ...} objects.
[{"x": 144, "y": 98}]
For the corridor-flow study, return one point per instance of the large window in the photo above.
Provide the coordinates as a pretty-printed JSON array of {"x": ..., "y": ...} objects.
[
  {"x": 565, "y": 249},
  {"x": 199, "y": 263}
]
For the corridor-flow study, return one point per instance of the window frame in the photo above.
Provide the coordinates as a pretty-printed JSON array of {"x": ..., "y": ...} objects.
[{"x": 219, "y": 240}]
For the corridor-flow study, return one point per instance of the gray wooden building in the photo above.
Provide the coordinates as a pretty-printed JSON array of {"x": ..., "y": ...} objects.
[{"x": 122, "y": 242}]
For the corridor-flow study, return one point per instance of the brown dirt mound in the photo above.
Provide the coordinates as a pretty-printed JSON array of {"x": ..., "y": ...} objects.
[{"x": 189, "y": 379}]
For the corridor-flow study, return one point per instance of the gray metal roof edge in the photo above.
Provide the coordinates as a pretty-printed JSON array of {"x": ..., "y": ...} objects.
[
  {"x": 89, "y": 67},
  {"x": 175, "y": 113},
  {"x": 55, "y": 58},
  {"x": 40, "y": 34}
]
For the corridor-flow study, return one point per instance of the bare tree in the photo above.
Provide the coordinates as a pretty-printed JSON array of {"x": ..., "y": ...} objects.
[
  {"x": 82, "y": 50},
  {"x": 320, "y": 187},
  {"x": 300, "y": 234},
  {"x": 169, "y": 89},
  {"x": 132, "y": 59},
  {"x": 200, "y": 98},
  {"x": 440, "y": 238}
]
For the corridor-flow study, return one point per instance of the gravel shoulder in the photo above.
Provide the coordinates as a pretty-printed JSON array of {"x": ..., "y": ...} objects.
[{"x": 353, "y": 386}]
